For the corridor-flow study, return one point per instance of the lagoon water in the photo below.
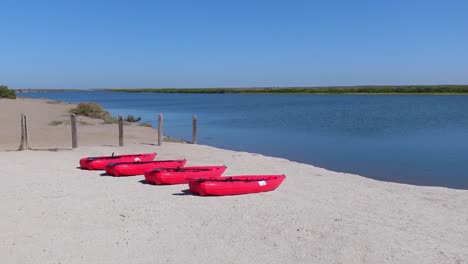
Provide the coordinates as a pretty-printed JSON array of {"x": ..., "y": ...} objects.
[{"x": 415, "y": 139}]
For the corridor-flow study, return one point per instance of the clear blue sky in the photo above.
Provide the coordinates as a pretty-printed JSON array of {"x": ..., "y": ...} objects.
[{"x": 172, "y": 43}]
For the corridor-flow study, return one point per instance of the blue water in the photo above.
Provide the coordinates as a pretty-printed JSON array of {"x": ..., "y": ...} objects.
[{"x": 416, "y": 139}]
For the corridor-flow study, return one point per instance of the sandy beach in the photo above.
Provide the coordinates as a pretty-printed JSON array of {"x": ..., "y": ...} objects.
[{"x": 53, "y": 212}]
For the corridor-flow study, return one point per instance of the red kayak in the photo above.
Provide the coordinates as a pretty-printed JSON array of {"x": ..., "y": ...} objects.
[
  {"x": 181, "y": 175},
  {"x": 100, "y": 163},
  {"x": 139, "y": 168},
  {"x": 233, "y": 185}
]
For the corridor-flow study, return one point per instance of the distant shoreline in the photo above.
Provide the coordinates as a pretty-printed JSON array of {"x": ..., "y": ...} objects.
[{"x": 404, "y": 89}]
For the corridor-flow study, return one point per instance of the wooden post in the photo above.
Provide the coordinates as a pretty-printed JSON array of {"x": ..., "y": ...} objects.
[
  {"x": 120, "y": 131},
  {"x": 160, "y": 129},
  {"x": 22, "y": 145},
  {"x": 73, "y": 131},
  {"x": 194, "y": 129},
  {"x": 26, "y": 139}
]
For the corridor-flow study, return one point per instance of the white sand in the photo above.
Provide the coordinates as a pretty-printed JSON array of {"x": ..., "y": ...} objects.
[
  {"x": 52, "y": 212},
  {"x": 40, "y": 114}
]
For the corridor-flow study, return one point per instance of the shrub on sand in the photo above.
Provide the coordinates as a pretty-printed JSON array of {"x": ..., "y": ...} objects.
[
  {"x": 5, "y": 93},
  {"x": 132, "y": 119},
  {"x": 93, "y": 110}
]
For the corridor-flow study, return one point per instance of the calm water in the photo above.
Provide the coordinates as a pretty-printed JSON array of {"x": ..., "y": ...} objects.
[{"x": 402, "y": 138}]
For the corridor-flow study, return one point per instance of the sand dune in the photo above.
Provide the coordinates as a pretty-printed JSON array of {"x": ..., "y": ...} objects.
[{"x": 43, "y": 133}]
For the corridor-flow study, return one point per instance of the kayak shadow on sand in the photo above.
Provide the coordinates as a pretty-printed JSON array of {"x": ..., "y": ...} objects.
[
  {"x": 184, "y": 192},
  {"x": 144, "y": 182},
  {"x": 181, "y": 193}
]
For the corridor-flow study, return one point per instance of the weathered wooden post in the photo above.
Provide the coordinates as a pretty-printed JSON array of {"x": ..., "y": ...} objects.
[
  {"x": 194, "y": 129},
  {"x": 26, "y": 139},
  {"x": 121, "y": 143},
  {"x": 73, "y": 131},
  {"x": 22, "y": 145},
  {"x": 160, "y": 129}
]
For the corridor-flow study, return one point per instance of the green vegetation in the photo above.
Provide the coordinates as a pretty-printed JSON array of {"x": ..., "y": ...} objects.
[
  {"x": 146, "y": 124},
  {"x": 132, "y": 119},
  {"x": 5, "y": 93},
  {"x": 173, "y": 139},
  {"x": 93, "y": 110},
  {"x": 55, "y": 123},
  {"x": 54, "y": 102},
  {"x": 415, "y": 89}
]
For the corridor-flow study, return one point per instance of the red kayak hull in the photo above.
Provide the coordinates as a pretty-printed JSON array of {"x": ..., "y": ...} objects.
[
  {"x": 235, "y": 185},
  {"x": 100, "y": 163},
  {"x": 139, "y": 168},
  {"x": 182, "y": 175}
]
